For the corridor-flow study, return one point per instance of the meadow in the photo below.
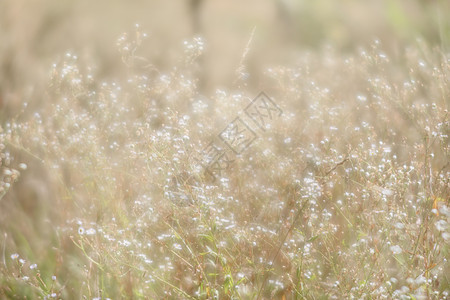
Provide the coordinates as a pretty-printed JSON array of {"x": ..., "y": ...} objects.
[{"x": 133, "y": 163}]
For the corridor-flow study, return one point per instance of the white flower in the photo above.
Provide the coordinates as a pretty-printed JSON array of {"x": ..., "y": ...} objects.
[
  {"x": 387, "y": 192},
  {"x": 420, "y": 280},
  {"x": 90, "y": 231},
  {"x": 33, "y": 266},
  {"x": 396, "y": 249},
  {"x": 399, "y": 225},
  {"x": 80, "y": 230},
  {"x": 444, "y": 210},
  {"x": 14, "y": 256},
  {"x": 441, "y": 225},
  {"x": 446, "y": 236}
]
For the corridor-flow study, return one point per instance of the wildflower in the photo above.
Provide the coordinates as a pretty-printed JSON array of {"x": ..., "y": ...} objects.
[
  {"x": 33, "y": 266},
  {"x": 90, "y": 231},
  {"x": 14, "y": 256},
  {"x": 387, "y": 192},
  {"x": 399, "y": 225},
  {"x": 441, "y": 225},
  {"x": 396, "y": 249}
]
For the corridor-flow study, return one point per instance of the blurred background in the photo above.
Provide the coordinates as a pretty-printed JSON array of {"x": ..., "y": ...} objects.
[
  {"x": 185, "y": 71},
  {"x": 34, "y": 33}
]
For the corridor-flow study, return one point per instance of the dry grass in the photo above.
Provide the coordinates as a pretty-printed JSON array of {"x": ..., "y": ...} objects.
[{"x": 346, "y": 196}]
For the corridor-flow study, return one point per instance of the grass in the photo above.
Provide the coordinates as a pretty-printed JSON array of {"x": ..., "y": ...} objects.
[{"x": 345, "y": 196}]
